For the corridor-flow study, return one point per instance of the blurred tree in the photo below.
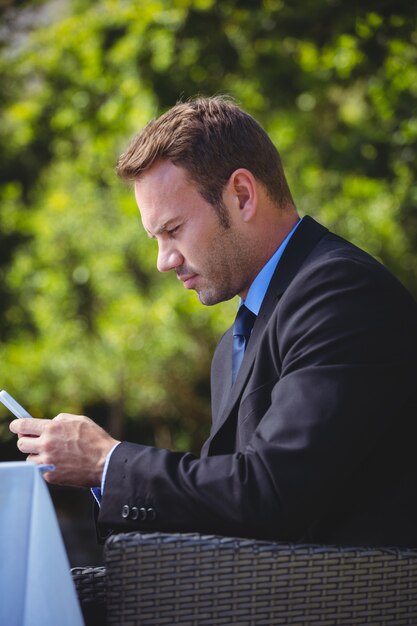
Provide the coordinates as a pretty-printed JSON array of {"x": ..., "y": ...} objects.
[{"x": 85, "y": 322}]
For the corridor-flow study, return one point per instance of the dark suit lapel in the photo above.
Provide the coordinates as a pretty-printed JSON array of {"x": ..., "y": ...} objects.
[{"x": 305, "y": 238}]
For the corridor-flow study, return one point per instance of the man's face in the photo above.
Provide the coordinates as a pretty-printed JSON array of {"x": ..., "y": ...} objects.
[{"x": 211, "y": 259}]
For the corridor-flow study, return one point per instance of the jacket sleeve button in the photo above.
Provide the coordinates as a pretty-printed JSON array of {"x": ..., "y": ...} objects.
[
  {"x": 151, "y": 514},
  {"x": 125, "y": 511},
  {"x": 134, "y": 513},
  {"x": 142, "y": 514}
]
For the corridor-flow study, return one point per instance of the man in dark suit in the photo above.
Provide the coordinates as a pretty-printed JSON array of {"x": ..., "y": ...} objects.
[{"x": 313, "y": 389}]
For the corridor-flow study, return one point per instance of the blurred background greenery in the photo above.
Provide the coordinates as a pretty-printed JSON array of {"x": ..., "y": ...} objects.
[{"x": 86, "y": 323}]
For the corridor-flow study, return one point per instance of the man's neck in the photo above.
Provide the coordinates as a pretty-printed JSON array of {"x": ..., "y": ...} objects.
[{"x": 259, "y": 286}]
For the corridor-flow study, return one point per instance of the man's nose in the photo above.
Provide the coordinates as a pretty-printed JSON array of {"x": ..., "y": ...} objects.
[{"x": 168, "y": 258}]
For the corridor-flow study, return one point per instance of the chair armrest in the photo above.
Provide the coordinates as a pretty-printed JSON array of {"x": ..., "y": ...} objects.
[
  {"x": 90, "y": 584},
  {"x": 190, "y": 579}
]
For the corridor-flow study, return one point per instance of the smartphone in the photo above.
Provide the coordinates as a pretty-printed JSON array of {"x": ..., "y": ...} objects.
[{"x": 12, "y": 405}]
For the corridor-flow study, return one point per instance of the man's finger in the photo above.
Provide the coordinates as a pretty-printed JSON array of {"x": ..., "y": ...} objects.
[
  {"x": 28, "y": 426},
  {"x": 29, "y": 445}
]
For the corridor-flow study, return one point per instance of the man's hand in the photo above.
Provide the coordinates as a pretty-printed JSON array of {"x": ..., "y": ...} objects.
[{"x": 75, "y": 444}]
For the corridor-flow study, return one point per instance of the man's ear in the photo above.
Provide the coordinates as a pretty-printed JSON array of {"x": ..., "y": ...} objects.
[{"x": 243, "y": 189}]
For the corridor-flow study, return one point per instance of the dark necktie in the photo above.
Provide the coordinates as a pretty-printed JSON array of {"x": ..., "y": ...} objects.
[{"x": 242, "y": 329}]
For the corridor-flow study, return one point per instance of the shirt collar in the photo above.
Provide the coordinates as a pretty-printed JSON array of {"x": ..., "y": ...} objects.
[{"x": 260, "y": 285}]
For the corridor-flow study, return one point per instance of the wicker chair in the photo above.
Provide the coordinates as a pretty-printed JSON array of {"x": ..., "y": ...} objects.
[{"x": 196, "y": 580}]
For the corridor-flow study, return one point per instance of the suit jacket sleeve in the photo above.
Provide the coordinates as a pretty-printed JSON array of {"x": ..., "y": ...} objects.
[{"x": 334, "y": 366}]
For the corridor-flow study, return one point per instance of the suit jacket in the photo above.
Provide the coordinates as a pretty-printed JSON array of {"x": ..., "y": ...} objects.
[{"x": 316, "y": 440}]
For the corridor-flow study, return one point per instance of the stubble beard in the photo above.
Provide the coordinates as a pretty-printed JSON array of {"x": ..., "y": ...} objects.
[{"x": 229, "y": 270}]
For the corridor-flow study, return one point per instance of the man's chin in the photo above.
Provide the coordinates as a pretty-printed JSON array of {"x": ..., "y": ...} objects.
[
  {"x": 206, "y": 297},
  {"x": 209, "y": 297}
]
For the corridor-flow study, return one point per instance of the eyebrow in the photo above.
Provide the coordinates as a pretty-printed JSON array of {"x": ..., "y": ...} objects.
[{"x": 163, "y": 228}]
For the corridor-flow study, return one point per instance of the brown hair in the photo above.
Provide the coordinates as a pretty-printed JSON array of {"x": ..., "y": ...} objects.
[{"x": 210, "y": 138}]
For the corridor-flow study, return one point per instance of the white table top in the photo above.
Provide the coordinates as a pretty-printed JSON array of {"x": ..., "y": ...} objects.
[{"x": 36, "y": 587}]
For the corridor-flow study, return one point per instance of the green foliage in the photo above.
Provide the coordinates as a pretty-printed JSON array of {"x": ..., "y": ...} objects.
[{"x": 86, "y": 324}]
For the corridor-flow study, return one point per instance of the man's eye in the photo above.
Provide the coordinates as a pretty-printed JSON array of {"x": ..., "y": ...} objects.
[{"x": 173, "y": 231}]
